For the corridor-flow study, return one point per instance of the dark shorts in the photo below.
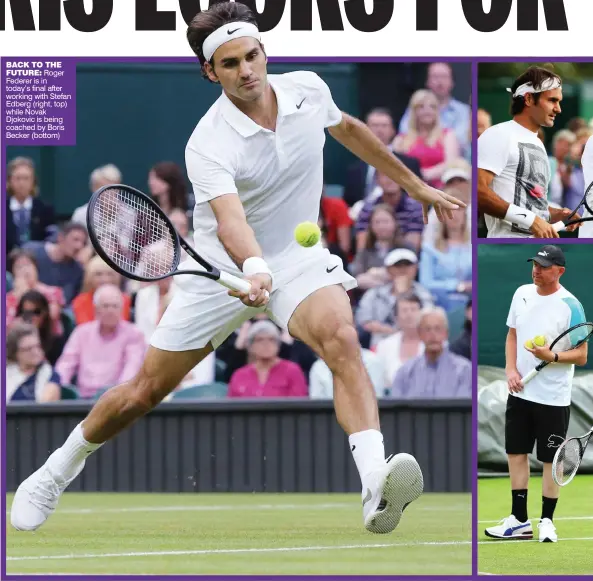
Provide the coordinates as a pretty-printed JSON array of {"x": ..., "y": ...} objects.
[{"x": 528, "y": 422}]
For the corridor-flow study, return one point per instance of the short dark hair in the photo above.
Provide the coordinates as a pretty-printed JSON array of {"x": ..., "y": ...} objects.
[
  {"x": 409, "y": 297},
  {"x": 536, "y": 76},
  {"x": 21, "y": 253},
  {"x": 207, "y": 21},
  {"x": 71, "y": 227},
  {"x": 380, "y": 111}
]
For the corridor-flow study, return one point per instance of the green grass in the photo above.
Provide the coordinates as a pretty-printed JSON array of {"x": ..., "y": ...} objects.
[
  {"x": 106, "y": 528},
  {"x": 572, "y": 555}
]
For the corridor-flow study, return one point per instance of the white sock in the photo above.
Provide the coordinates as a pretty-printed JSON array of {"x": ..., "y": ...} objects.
[
  {"x": 368, "y": 451},
  {"x": 65, "y": 461}
]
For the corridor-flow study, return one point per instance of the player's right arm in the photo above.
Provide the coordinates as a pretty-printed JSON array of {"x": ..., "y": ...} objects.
[
  {"x": 512, "y": 373},
  {"x": 238, "y": 239},
  {"x": 211, "y": 171},
  {"x": 493, "y": 153}
]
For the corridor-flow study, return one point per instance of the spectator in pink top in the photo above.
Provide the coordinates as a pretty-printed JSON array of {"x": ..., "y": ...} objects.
[
  {"x": 267, "y": 375},
  {"x": 103, "y": 352},
  {"x": 426, "y": 140}
]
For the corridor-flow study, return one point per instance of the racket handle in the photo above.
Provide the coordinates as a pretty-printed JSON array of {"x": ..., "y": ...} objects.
[
  {"x": 529, "y": 376},
  {"x": 235, "y": 283},
  {"x": 559, "y": 226}
]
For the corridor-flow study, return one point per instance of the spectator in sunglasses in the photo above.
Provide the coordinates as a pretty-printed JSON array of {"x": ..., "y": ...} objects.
[
  {"x": 28, "y": 376},
  {"x": 34, "y": 308}
]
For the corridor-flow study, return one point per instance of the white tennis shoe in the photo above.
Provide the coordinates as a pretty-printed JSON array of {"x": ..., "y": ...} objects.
[
  {"x": 37, "y": 498},
  {"x": 386, "y": 492},
  {"x": 547, "y": 531},
  {"x": 510, "y": 528}
]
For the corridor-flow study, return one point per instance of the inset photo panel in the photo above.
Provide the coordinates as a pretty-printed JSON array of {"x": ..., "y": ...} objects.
[
  {"x": 535, "y": 152},
  {"x": 535, "y": 408}
]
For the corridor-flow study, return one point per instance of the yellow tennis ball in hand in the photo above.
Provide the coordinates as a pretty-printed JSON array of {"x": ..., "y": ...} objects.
[
  {"x": 307, "y": 234},
  {"x": 529, "y": 344},
  {"x": 540, "y": 340}
]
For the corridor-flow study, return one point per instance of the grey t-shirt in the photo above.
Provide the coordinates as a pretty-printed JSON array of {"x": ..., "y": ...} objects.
[{"x": 67, "y": 274}]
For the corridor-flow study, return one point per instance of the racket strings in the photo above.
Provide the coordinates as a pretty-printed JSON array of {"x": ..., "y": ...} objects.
[
  {"x": 569, "y": 459},
  {"x": 133, "y": 234}
]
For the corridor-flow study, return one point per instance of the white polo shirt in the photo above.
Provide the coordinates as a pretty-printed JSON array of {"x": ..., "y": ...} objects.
[
  {"x": 532, "y": 314},
  {"x": 278, "y": 175},
  {"x": 586, "y": 229}
]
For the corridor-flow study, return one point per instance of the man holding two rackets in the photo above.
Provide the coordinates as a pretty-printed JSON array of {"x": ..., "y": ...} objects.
[
  {"x": 538, "y": 412},
  {"x": 256, "y": 164}
]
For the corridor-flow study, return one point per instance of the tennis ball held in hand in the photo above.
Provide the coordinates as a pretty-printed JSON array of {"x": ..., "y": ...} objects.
[
  {"x": 529, "y": 344},
  {"x": 307, "y": 234},
  {"x": 540, "y": 340}
]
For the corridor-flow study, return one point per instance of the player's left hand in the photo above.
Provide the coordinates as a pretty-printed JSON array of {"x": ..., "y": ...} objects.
[
  {"x": 542, "y": 353},
  {"x": 561, "y": 214},
  {"x": 443, "y": 203}
]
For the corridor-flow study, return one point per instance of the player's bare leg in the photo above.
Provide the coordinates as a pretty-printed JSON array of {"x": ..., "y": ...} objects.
[
  {"x": 324, "y": 322},
  {"x": 550, "y": 494},
  {"x": 519, "y": 471},
  {"x": 37, "y": 497}
]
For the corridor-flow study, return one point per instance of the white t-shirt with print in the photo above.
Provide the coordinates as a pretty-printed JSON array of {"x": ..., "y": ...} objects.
[
  {"x": 532, "y": 314},
  {"x": 519, "y": 161}
]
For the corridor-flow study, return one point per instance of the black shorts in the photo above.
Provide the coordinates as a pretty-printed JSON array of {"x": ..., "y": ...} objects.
[{"x": 528, "y": 422}]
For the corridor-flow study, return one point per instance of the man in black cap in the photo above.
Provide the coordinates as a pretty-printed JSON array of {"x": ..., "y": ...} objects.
[{"x": 539, "y": 411}]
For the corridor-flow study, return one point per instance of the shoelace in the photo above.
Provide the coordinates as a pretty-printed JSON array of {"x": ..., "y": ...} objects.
[{"x": 46, "y": 492}]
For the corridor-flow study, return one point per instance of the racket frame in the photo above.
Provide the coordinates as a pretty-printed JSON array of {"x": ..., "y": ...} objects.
[
  {"x": 564, "y": 224},
  {"x": 210, "y": 271},
  {"x": 582, "y": 447}
]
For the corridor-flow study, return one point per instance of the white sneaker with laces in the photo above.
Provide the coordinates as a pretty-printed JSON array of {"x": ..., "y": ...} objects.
[
  {"x": 510, "y": 528},
  {"x": 37, "y": 497},
  {"x": 386, "y": 492},
  {"x": 547, "y": 531}
]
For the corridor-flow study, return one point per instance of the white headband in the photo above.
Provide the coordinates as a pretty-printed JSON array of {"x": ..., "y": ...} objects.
[
  {"x": 228, "y": 32},
  {"x": 547, "y": 85}
]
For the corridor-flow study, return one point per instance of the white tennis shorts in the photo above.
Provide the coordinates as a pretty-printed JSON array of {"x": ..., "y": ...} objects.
[{"x": 201, "y": 310}]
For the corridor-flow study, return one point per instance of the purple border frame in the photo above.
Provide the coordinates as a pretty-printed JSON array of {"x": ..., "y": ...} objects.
[{"x": 475, "y": 241}]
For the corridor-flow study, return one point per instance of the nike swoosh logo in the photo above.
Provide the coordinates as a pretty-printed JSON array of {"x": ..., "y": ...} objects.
[
  {"x": 524, "y": 215},
  {"x": 367, "y": 497},
  {"x": 229, "y": 32},
  {"x": 353, "y": 448},
  {"x": 328, "y": 270},
  {"x": 300, "y": 104}
]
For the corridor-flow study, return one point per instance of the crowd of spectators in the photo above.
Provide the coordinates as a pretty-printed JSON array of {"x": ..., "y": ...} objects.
[{"x": 76, "y": 328}]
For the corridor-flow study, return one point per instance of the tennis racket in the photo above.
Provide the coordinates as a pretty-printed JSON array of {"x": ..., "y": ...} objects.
[
  {"x": 131, "y": 233},
  {"x": 577, "y": 335},
  {"x": 568, "y": 458},
  {"x": 574, "y": 218}
]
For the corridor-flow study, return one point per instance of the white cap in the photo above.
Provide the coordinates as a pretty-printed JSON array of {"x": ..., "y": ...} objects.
[
  {"x": 456, "y": 172},
  {"x": 400, "y": 254}
]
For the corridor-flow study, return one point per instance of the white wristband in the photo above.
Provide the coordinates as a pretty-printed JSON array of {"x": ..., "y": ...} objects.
[
  {"x": 520, "y": 216},
  {"x": 256, "y": 265}
]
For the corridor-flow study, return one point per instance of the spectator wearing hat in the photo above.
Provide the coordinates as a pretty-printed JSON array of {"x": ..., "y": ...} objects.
[
  {"x": 375, "y": 313},
  {"x": 267, "y": 375},
  {"x": 437, "y": 373},
  {"x": 407, "y": 212}
]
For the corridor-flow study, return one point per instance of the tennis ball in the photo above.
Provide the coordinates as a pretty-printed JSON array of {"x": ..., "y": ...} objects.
[
  {"x": 529, "y": 344},
  {"x": 307, "y": 234},
  {"x": 540, "y": 340}
]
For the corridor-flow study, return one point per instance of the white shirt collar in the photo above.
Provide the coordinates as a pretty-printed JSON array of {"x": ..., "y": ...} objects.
[
  {"x": 287, "y": 104},
  {"x": 15, "y": 205}
]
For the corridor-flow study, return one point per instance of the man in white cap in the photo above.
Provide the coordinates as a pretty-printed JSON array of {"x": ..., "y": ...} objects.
[
  {"x": 513, "y": 166},
  {"x": 255, "y": 161},
  {"x": 375, "y": 312}
]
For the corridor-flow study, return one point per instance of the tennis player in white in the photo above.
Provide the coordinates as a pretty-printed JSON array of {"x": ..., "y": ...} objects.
[
  {"x": 586, "y": 229},
  {"x": 256, "y": 163},
  {"x": 513, "y": 166},
  {"x": 539, "y": 412}
]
